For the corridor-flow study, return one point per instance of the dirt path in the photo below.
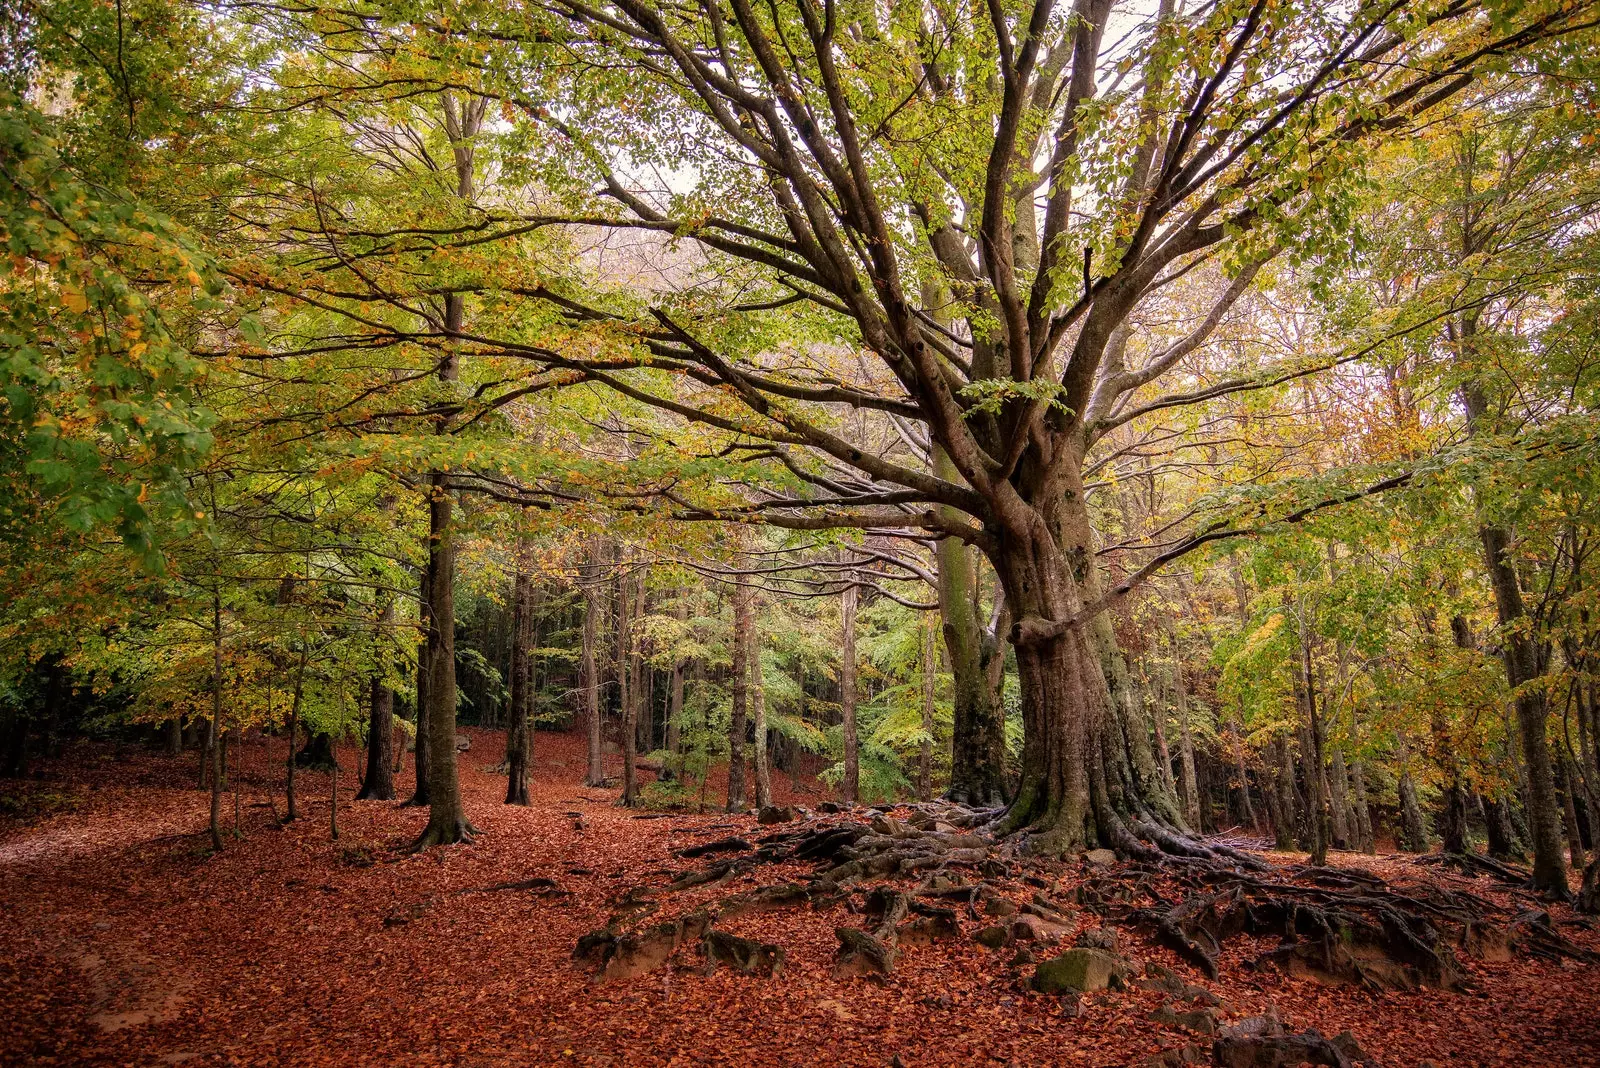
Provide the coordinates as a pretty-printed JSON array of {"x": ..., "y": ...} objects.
[{"x": 126, "y": 945}]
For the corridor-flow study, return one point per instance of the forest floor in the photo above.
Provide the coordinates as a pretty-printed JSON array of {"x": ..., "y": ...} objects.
[{"x": 127, "y": 942}]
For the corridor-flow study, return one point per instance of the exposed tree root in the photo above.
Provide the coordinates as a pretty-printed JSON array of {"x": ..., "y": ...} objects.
[{"x": 1338, "y": 925}]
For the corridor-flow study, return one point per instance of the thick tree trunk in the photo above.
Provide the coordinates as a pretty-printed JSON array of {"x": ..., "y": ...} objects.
[
  {"x": 1358, "y": 802},
  {"x": 1413, "y": 830},
  {"x": 1499, "y": 830},
  {"x": 1453, "y": 821},
  {"x": 1344, "y": 836},
  {"x": 1569, "y": 815},
  {"x": 378, "y": 783},
  {"x": 1288, "y": 814},
  {"x": 1156, "y": 712},
  {"x": 174, "y": 736},
  {"x": 596, "y": 773},
  {"x": 1321, "y": 830},
  {"x": 978, "y": 732},
  {"x": 738, "y": 722},
  {"x": 518, "y": 728},
  {"x": 850, "y": 784}
]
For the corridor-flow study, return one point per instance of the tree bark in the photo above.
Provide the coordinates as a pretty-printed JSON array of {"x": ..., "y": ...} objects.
[
  {"x": 596, "y": 773},
  {"x": 378, "y": 783},
  {"x": 738, "y": 722},
  {"x": 216, "y": 718},
  {"x": 630, "y": 594},
  {"x": 758, "y": 703},
  {"x": 925, "y": 754},
  {"x": 675, "y": 703},
  {"x": 447, "y": 821},
  {"x": 419, "y": 791},
  {"x": 1189, "y": 790},
  {"x": 1414, "y": 831},
  {"x": 1358, "y": 797},
  {"x": 850, "y": 784},
  {"x": 174, "y": 736},
  {"x": 518, "y": 728},
  {"x": 978, "y": 732}
]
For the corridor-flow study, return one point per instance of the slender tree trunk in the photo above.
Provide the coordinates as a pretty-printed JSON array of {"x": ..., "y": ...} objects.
[
  {"x": 517, "y": 726},
  {"x": 174, "y": 736},
  {"x": 1189, "y": 789},
  {"x": 216, "y": 718},
  {"x": 738, "y": 722},
  {"x": 420, "y": 746},
  {"x": 596, "y": 774},
  {"x": 1569, "y": 814},
  {"x": 758, "y": 702},
  {"x": 930, "y": 666},
  {"x": 1156, "y": 711},
  {"x": 628, "y": 606},
  {"x": 675, "y": 704},
  {"x": 378, "y": 783},
  {"x": 850, "y": 784},
  {"x": 1312, "y": 754}
]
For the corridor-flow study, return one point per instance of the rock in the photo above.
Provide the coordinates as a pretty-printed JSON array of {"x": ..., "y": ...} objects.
[
  {"x": 1097, "y": 938},
  {"x": 1024, "y": 956},
  {"x": 1201, "y": 996},
  {"x": 463, "y": 743},
  {"x": 924, "y": 930},
  {"x": 1189, "y": 1053},
  {"x": 830, "y": 808},
  {"x": 1199, "y": 1021},
  {"x": 1100, "y": 858},
  {"x": 999, "y": 906},
  {"x": 1160, "y": 977},
  {"x": 1284, "y": 1051},
  {"x": 742, "y": 954},
  {"x": 1254, "y": 1027},
  {"x": 993, "y": 937},
  {"x": 887, "y": 825},
  {"x": 1030, "y": 928},
  {"x": 1081, "y": 970},
  {"x": 862, "y": 953},
  {"x": 771, "y": 814}
]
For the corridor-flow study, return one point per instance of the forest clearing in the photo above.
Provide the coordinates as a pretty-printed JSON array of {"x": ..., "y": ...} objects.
[{"x": 884, "y": 532}]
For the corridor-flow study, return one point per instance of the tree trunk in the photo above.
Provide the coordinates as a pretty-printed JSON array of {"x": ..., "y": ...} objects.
[
  {"x": 1344, "y": 836},
  {"x": 216, "y": 719},
  {"x": 1189, "y": 789},
  {"x": 174, "y": 736},
  {"x": 1414, "y": 831},
  {"x": 628, "y": 604},
  {"x": 1569, "y": 814},
  {"x": 1499, "y": 830},
  {"x": 850, "y": 784},
  {"x": 596, "y": 774},
  {"x": 1155, "y": 707},
  {"x": 378, "y": 783},
  {"x": 447, "y": 822},
  {"x": 420, "y": 747},
  {"x": 758, "y": 703},
  {"x": 1358, "y": 798},
  {"x": 1288, "y": 815},
  {"x": 674, "y": 739},
  {"x": 738, "y": 722},
  {"x": 518, "y": 729},
  {"x": 978, "y": 733},
  {"x": 925, "y": 756}
]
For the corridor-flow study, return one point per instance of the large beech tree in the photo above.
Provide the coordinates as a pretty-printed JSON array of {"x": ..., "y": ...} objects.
[{"x": 1033, "y": 176}]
